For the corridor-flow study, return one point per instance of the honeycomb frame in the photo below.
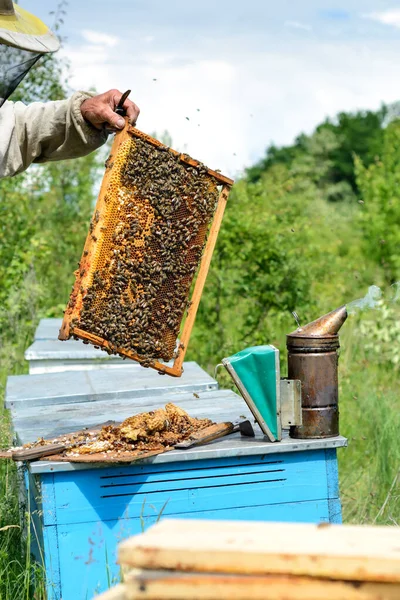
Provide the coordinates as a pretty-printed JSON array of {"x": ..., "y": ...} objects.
[{"x": 96, "y": 241}]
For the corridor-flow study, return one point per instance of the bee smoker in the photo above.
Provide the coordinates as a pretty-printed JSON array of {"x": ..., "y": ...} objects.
[{"x": 313, "y": 359}]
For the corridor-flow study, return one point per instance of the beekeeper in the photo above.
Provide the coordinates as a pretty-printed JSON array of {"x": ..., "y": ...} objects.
[{"x": 44, "y": 131}]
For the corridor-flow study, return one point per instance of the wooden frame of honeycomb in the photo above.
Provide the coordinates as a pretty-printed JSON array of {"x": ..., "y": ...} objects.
[{"x": 154, "y": 228}]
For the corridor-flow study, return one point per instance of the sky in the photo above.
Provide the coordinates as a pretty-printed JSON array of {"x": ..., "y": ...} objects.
[{"x": 228, "y": 78}]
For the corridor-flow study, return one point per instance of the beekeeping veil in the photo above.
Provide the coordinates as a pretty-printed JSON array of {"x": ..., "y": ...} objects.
[{"x": 23, "y": 40}]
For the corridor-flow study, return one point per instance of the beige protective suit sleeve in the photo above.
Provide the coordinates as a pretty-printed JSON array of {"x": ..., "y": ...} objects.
[{"x": 42, "y": 132}]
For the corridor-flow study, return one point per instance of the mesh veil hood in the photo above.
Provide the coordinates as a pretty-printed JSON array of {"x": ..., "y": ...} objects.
[
  {"x": 23, "y": 40},
  {"x": 14, "y": 65}
]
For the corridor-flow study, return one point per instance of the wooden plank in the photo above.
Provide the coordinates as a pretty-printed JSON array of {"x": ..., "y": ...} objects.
[
  {"x": 349, "y": 552},
  {"x": 98, "y": 341},
  {"x": 104, "y": 458},
  {"x": 82, "y": 546},
  {"x": 63, "y": 449},
  {"x": 175, "y": 585},
  {"x": 116, "y": 593}
]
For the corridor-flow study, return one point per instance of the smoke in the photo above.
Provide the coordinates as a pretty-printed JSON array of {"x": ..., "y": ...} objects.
[
  {"x": 396, "y": 291},
  {"x": 373, "y": 299},
  {"x": 370, "y": 300}
]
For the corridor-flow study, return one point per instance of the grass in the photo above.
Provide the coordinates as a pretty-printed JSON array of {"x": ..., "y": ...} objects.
[
  {"x": 21, "y": 578},
  {"x": 368, "y": 469}
]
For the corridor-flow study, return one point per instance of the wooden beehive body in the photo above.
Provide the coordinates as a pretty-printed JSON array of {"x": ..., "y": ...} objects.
[{"x": 154, "y": 228}]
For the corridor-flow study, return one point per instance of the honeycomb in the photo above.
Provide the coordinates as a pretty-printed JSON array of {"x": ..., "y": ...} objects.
[
  {"x": 155, "y": 430},
  {"x": 144, "y": 246},
  {"x": 162, "y": 428}
]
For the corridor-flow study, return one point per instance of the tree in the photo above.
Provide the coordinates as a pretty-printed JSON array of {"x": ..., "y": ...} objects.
[
  {"x": 379, "y": 185},
  {"x": 257, "y": 277},
  {"x": 335, "y": 141},
  {"x": 44, "y": 218}
]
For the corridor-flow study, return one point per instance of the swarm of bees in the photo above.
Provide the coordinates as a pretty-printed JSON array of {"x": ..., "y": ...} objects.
[{"x": 153, "y": 234}]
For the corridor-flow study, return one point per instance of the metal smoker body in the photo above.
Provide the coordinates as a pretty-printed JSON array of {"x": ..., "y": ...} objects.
[{"x": 313, "y": 359}]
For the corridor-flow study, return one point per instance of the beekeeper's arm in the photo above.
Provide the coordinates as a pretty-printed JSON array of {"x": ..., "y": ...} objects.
[{"x": 47, "y": 131}]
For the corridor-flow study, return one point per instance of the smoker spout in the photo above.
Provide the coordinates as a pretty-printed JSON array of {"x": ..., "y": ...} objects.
[{"x": 325, "y": 326}]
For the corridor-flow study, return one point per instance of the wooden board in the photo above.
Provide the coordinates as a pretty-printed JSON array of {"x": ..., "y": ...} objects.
[
  {"x": 167, "y": 585},
  {"x": 103, "y": 457},
  {"x": 97, "y": 457},
  {"x": 349, "y": 552},
  {"x": 129, "y": 456},
  {"x": 115, "y": 593}
]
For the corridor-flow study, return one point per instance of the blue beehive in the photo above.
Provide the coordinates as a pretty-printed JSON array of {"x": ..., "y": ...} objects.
[{"x": 80, "y": 513}]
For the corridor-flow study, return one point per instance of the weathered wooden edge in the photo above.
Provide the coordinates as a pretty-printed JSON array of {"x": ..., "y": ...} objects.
[
  {"x": 330, "y": 551},
  {"x": 178, "y": 585},
  {"x": 116, "y": 593},
  {"x": 104, "y": 458},
  {"x": 175, "y": 370},
  {"x": 6, "y": 454}
]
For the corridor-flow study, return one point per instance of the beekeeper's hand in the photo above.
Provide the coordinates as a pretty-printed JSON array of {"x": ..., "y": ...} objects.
[{"x": 99, "y": 110}]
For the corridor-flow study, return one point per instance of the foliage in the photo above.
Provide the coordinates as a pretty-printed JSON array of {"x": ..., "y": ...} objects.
[
  {"x": 255, "y": 273},
  {"x": 350, "y": 134},
  {"x": 304, "y": 231},
  {"x": 43, "y": 223},
  {"x": 369, "y": 468},
  {"x": 379, "y": 192},
  {"x": 380, "y": 331}
]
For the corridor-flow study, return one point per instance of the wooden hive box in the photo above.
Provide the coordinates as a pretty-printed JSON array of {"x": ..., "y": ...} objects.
[{"x": 210, "y": 560}]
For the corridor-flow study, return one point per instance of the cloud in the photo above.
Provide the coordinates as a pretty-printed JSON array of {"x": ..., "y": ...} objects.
[
  {"x": 386, "y": 17},
  {"x": 297, "y": 25},
  {"x": 99, "y": 39},
  {"x": 251, "y": 90}
]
